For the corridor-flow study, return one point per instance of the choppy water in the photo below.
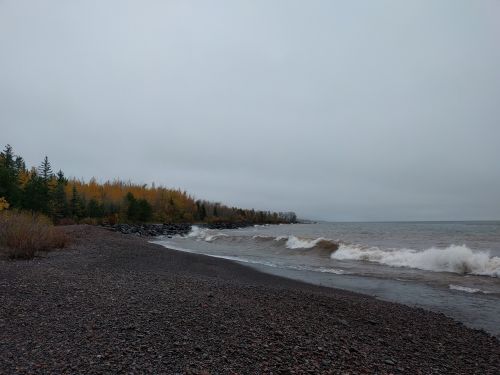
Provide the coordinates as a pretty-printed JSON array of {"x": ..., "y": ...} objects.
[{"x": 450, "y": 267}]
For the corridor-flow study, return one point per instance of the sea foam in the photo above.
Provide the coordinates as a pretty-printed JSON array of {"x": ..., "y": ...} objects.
[
  {"x": 464, "y": 289},
  {"x": 300, "y": 243},
  {"x": 454, "y": 258},
  {"x": 197, "y": 232}
]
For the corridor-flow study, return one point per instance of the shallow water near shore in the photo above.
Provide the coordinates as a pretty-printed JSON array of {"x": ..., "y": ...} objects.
[{"x": 452, "y": 267}]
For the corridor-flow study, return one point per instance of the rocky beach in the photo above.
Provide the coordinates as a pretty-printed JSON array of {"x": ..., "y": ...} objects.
[
  {"x": 169, "y": 230},
  {"x": 114, "y": 303}
]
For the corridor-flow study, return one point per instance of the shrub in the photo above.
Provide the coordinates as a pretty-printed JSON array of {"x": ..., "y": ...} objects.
[
  {"x": 3, "y": 204},
  {"x": 22, "y": 234},
  {"x": 65, "y": 221},
  {"x": 90, "y": 221}
]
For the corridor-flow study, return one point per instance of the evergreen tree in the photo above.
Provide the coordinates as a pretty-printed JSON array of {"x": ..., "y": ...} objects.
[
  {"x": 132, "y": 208},
  {"x": 144, "y": 210},
  {"x": 138, "y": 210},
  {"x": 45, "y": 170},
  {"x": 44, "y": 176},
  {"x": 20, "y": 165},
  {"x": 75, "y": 204},
  {"x": 39, "y": 190},
  {"x": 35, "y": 194},
  {"x": 83, "y": 206},
  {"x": 61, "y": 207},
  {"x": 94, "y": 209},
  {"x": 61, "y": 180},
  {"x": 8, "y": 157},
  {"x": 9, "y": 177}
]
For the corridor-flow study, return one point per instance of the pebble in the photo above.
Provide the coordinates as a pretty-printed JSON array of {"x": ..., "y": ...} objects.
[{"x": 118, "y": 304}]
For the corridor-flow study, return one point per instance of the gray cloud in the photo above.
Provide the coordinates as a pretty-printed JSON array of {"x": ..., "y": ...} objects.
[{"x": 339, "y": 110}]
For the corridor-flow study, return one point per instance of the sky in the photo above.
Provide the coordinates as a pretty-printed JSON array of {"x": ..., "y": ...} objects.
[{"x": 338, "y": 110}]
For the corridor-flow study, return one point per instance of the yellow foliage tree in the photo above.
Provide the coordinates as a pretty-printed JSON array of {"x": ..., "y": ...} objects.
[{"x": 3, "y": 204}]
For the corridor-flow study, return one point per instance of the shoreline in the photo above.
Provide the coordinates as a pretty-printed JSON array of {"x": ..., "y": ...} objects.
[
  {"x": 406, "y": 292},
  {"x": 113, "y": 302}
]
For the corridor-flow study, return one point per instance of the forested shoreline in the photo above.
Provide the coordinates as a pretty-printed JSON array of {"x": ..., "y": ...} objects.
[{"x": 70, "y": 200}]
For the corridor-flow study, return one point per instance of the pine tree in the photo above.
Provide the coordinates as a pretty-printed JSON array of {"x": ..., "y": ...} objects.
[
  {"x": 39, "y": 190},
  {"x": 44, "y": 191},
  {"x": 35, "y": 194},
  {"x": 61, "y": 208},
  {"x": 132, "y": 208},
  {"x": 9, "y": 177},
  {"x": 45, "y": 169},
  {"x": 19, "y": 164},
  {"x": 8, "y": 157},
  {"x": 75, "y": 204},
  {"x": 138, "y": 210},
  {"x": 144, "y": 211},
  {"x": 94, "y": 209}
]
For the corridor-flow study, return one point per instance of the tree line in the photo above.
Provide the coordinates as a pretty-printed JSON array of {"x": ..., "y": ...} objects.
[{"x": 40, "y": 189}]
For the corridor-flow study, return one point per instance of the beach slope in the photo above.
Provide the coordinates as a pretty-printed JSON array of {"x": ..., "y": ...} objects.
[{"x": 113, "y": 303}]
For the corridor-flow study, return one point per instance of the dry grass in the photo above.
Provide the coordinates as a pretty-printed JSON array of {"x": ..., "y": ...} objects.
[{"x": 22, "y": 234}]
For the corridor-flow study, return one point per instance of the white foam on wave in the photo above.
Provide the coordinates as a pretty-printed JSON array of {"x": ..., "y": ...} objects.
[
  {"x": 173, "y": 246},
  {"x": 263, "y": 262},
  {"x": 467, "y": 289},
  {"x": 336, "y": 271},
  {"x": 464, "y": 289},
  {"x": 200, "y": 234},
  {"x": 457, "y": 259},
  {"x": 197, "y": 232},
  {"x": 300, "y": 243},
  {"x": 213, "y": 237}
]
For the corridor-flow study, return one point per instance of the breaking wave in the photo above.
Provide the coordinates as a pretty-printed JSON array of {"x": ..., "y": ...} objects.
[
  {"x": 298, "y": 243},
  {"x": 203, "y": 234},
  {"x": 197, "y": 232},
  {"x": 322, "y": 247},
  {"x": 466, "y": 289},
  {"x": 244, "y": 259},
  {"x": 457, "y": 259},
  {"x": 454, "y": 258},
  {"x": 290, "y": 242}
]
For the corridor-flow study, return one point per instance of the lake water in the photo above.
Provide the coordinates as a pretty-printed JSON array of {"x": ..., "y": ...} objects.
[{"x": 449, "y": 267}]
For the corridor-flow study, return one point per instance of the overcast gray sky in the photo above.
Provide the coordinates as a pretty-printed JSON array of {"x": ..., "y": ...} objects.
[{"x": 341, "y": 110}]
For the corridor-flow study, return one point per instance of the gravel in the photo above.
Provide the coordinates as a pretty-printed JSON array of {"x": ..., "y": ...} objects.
[{"x": 113, "y": 303}]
